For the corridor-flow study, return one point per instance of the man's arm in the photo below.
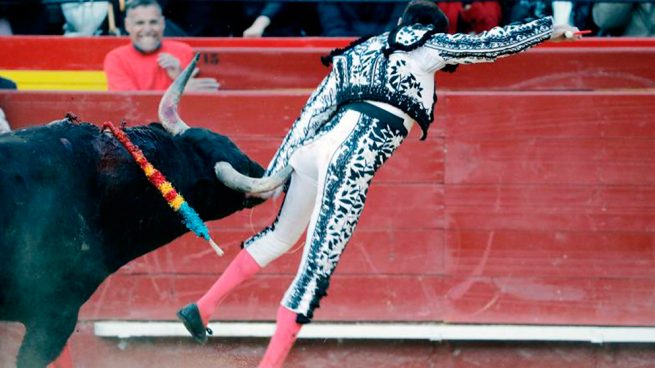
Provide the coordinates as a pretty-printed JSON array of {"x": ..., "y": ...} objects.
[
  {"x": 258, "y": 27},
  {"x": 492, "y": 44},
  {"x": 320, "y": 107}
]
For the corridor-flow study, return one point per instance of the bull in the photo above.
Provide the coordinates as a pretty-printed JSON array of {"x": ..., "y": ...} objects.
[{"x": 75, "y": 207}]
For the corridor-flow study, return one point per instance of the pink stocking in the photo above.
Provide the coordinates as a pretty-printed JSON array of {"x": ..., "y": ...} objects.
[
  {"x": 285, "y": 335},
  {"x": 240, "y": 269}
]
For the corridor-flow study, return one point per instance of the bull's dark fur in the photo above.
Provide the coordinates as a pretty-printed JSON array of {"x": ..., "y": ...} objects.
[{"x": 74, "y": 207}]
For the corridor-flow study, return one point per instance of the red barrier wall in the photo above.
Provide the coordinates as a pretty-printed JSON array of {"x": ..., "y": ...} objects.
[
  {"x": 589, "y": 64},
  {"x": 533, "y": 207}
]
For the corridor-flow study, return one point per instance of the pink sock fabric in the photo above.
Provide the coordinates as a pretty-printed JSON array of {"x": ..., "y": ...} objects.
[
  {"x": 65, "y": 359},
  {"x": 282, "y": 341},
  {"x": 240, "y": 269}
]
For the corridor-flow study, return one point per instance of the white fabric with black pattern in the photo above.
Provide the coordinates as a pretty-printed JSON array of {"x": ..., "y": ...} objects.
[
  {"x": 335, "y": 152},
  {"x": 404, "y": 79},
  {"x": 342, "y": 162}
]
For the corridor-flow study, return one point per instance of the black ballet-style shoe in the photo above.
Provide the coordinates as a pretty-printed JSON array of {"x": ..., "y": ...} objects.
[{"x": 190, "y": 316}]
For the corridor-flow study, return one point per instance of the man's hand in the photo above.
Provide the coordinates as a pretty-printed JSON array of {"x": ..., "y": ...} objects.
[
  {"x": 202, "y": 85},
  {"x": 170, "y": 63},
  {"x": 258, "y": 27},
  {"x": 561, "y": 31}
]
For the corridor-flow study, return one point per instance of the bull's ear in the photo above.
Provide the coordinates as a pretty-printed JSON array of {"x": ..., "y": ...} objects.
[{"x": 168, "y": 104}]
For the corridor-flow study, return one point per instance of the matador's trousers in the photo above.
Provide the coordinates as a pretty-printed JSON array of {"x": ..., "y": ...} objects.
[{"x": 328, "y": 187}]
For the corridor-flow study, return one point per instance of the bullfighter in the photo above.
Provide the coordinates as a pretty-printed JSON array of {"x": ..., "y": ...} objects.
[{"x": 378, "y": 88}]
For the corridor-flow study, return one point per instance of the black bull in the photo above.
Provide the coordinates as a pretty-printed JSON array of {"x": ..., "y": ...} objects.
[{"x": 75, "y": 207}]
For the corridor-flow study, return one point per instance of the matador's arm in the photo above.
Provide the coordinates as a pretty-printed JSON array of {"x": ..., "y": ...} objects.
[{"x": 492, "y": 44}]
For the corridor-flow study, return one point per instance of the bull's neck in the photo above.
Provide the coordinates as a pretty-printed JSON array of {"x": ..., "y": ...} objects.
[{"x": 137, "y": 218}]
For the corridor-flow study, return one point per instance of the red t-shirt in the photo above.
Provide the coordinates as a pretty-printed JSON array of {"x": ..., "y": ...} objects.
[{"x": 129, "y": 70}]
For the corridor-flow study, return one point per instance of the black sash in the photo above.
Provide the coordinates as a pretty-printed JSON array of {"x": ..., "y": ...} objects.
[{"x": 384, "y": 116}]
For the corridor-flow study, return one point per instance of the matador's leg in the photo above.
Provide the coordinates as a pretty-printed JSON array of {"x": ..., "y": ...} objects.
[
  {"x": 344, "y": 161},
  {"x": 264, "y": 247},
  {"x": 343, "y": 183}
]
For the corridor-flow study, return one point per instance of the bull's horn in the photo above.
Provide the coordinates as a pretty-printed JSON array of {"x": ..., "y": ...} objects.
[
  {"x": 168, "y": 104},
  {"x": 242, "y": 183}
]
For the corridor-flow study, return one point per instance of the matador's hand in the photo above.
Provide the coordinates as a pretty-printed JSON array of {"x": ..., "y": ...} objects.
[{"x": 565, "y": 32}]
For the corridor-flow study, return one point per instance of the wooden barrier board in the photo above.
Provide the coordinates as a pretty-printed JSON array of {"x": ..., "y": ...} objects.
[
  {"x": 44, "y": 63},
  {"x": 531, "y": 207}
]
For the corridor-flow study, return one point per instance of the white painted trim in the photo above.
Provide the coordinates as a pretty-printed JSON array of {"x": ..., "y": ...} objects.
[{"x": 372, "y": 331}]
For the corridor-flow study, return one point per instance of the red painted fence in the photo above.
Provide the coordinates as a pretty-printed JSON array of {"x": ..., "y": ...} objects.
[
  {"x": 531, "y": 207},
  {"x": 589, "y": 64}
]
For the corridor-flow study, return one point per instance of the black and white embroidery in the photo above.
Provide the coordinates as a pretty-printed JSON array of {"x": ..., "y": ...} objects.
[
  {"x": 347, "y": 180},
  {"x": 364, "y": 72},
  {"x": 407, "y": 36},
  {"x": 491, "y": 44},
  {"x": 269, "y": 229},
  {"x": 319, "y": 109},
  {"x": 402, "y": 80}
]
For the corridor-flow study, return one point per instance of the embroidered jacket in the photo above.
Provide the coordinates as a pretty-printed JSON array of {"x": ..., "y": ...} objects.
[{"x": 398, "y": 68}]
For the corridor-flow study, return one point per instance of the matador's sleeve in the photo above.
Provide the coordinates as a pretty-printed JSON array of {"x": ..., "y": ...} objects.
[
  {"x": 492, "y": 44},
  {"x": 319, "y": 109}
]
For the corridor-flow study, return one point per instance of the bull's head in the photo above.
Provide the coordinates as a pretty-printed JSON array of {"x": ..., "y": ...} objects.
[{"x": 256, "y": 187}]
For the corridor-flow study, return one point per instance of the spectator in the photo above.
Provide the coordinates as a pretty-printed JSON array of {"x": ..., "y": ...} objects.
[
  {"x": 562, "y": 11},
  {"x": 378, "y": 88},
  {"x": 84, "y": 18},
  {"x": 149, "y": 62},
  {"x": 285, "y": 20},
  {"x": 339, "y": 19},
  {"x": 472, "y": 16},
  {"x": 5, "y": 26},
  {"x": 576, "y": 14},
  {"x": 115, "y": 25},
  {"x": 625, "y": 19}
]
